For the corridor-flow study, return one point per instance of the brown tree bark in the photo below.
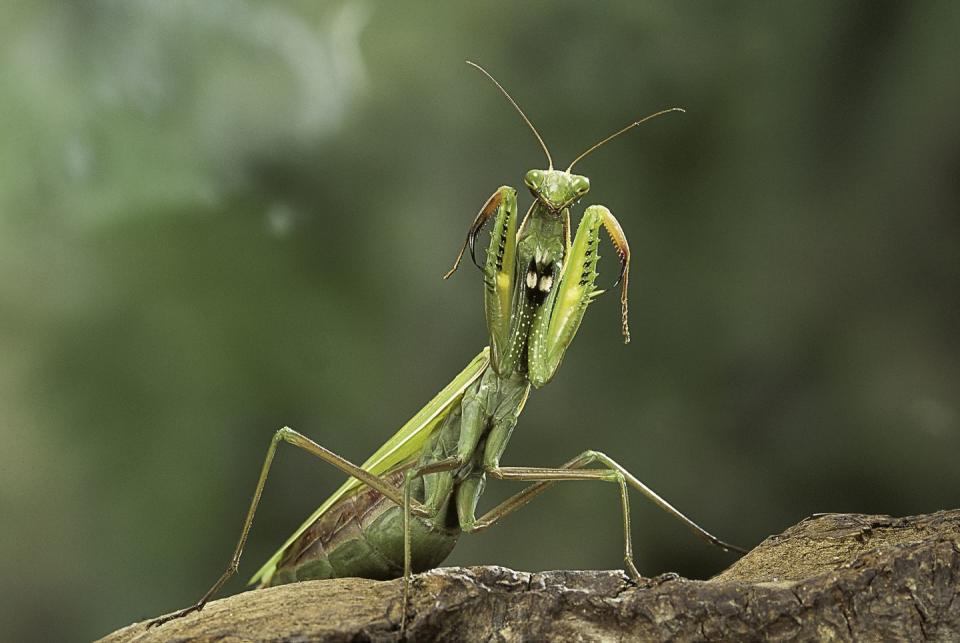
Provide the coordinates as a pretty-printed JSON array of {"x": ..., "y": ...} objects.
[{"x": 845, "y": 577}]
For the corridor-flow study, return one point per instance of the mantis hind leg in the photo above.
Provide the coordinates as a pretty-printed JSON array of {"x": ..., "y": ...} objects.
[
  {"x": 290, "y": 436},
  {"x": 544, "y": 478}
]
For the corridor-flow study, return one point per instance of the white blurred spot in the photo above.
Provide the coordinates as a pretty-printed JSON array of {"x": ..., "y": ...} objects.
[
  {"x": 281, "y": 219},
  {"x": 78, "y": 158}
]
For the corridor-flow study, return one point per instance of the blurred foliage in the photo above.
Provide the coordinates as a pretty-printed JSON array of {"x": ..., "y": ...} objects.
[{"x": 220, "y": 217}]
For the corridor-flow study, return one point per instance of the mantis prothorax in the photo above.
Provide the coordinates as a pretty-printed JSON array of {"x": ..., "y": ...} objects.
[{"x": 403, "y": 509}]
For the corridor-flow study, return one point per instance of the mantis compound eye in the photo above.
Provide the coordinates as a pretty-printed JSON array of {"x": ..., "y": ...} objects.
[
  {"x": 581, "y": 185},
  {"x": 533, "y": 179}
]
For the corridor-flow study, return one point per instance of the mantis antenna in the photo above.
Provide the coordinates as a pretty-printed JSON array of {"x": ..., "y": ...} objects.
[
  {"x": 625, "y": 129},
  {"x": 514, "y": 103}
]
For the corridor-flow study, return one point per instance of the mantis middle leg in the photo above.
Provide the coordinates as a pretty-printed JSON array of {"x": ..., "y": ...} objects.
[
  {"x": 447, "y": 464},
  {"x": 545, "y": 478}
]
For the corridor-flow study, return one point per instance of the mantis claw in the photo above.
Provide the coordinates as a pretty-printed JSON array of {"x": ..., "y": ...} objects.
[{"x": 488, "y": 210}]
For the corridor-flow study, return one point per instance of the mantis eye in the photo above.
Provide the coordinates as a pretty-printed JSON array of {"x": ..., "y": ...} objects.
[
  {"x": 581, "y": 185},
  {"x": 533, "y": 179}
]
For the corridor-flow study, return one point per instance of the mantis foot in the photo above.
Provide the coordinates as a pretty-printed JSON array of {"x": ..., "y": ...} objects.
[{"x": 178, "y": 614}]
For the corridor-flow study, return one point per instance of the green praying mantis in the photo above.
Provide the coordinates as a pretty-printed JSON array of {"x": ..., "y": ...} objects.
[{"x": 403, "y": 510}]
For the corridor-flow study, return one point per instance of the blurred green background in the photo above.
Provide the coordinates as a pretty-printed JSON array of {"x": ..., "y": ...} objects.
[{"x": 218, "y": 218}]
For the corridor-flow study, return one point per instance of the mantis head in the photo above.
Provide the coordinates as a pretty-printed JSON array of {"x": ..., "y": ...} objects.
[{"x": 556, "y": 189}]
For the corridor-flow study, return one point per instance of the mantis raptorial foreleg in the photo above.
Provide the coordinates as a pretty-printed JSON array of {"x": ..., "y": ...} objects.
[
  {"x": 499, "y": 270},
  {"x": 558, "y": 319},
  {"x": 290, "y": 436}
]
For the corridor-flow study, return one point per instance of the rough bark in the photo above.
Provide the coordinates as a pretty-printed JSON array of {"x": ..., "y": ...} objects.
[{"x": 831, "y": 577}]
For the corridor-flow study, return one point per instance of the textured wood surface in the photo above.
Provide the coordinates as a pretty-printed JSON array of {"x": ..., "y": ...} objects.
[{"x": 845, "y": 577}]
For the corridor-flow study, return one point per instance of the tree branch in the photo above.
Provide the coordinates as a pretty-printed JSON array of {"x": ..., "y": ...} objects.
[{"x": 838, "y": 576}]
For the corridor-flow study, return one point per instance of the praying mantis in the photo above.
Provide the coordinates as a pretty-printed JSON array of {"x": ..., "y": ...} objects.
[{"x": 403, "y": 510}]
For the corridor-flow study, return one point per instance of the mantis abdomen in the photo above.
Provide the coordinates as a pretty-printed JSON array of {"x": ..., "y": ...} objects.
[{"x": 362, "y": 536}]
